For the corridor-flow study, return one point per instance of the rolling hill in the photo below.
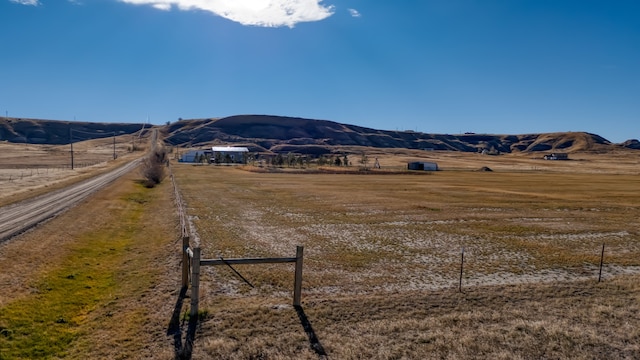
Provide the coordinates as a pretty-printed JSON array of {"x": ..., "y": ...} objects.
[
  {"x": 55, "y": 132},
  {"x": 264, "y": 133},
  {"x": 287, "y": 134}
]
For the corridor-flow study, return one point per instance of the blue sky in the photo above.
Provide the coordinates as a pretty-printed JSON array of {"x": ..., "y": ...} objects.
[{"x": 437, "y": 66}]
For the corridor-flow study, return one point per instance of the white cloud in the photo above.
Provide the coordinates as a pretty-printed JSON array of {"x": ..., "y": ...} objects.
[
  {"x": 26, "y": 2},
  {"x": 165, "y": 7},
  {"x": 354, "y": 13},
  {"x": 267, "y": 13}
]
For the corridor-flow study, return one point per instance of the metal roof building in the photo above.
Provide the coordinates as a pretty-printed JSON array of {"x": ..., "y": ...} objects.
[
  {"x": 422, "y": 165},
  {"x": 229, "y": 154}
]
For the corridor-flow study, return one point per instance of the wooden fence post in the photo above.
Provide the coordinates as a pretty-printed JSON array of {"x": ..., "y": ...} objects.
[
  {"x": 601, "y": 262},
  {"x": 195, "y": 283},
  {"x": 461, "y": 270},
  {"x": 185, "y": 262},
  {"x": 297, "y": 286}
]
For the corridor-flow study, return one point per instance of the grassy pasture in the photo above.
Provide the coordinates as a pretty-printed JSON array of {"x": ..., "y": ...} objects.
[{"x": 382, "y": 261}]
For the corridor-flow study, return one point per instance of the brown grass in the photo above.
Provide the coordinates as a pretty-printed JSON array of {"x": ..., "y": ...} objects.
[
  {"x": 28, "y": 170},
  {"x": 382, "y": 257},
  {"x": 382, "y": 260}
]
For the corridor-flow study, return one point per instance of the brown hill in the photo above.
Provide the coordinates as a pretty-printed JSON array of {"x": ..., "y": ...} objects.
[
  {"x": 287, "y": 134},
  {"x": 55, "y": 132},
  {"x": 263, "y": 133}
]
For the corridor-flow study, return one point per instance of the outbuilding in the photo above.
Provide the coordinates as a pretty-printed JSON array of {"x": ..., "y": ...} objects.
[
  {"x": 422, "y": 165},
  {"x": 195, "y": 156},
  {"x": 229, "y": 154},
  {"x": 557, "y": 156}
]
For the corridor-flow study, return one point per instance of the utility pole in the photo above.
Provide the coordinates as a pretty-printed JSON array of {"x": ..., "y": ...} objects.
[{"x": 71, "y": 142}]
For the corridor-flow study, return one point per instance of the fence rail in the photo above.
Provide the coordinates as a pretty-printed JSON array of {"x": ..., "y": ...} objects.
[{"x": 197, "y": 262}]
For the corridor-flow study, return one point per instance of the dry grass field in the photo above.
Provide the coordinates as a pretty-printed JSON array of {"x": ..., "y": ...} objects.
[
  {"x": 27, "y": 170},
  {"x": 381, "y": 266},
  {"x": 383, "y": 256}
]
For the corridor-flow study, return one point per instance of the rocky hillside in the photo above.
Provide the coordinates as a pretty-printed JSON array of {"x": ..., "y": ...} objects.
[{"x": 263, "y": 133}]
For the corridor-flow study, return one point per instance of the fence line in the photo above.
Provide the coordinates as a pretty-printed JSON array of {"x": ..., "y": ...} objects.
[
  {"x": 19, "y": 173},
  {"x": 184, "y": 232}
]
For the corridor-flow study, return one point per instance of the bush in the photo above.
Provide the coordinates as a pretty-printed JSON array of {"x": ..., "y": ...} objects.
[{"x": 153, "y": 167}]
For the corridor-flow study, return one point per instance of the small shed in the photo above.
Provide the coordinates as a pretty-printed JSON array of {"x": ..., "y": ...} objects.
[
  {"x": 422, "y": 165},
  {"x": 557, "y": 156}
]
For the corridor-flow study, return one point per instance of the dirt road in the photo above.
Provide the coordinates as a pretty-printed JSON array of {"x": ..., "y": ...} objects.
[{"x": 19, "y": 217}]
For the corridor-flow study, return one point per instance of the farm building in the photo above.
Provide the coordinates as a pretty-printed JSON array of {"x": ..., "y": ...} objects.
[
  {"x": 229, "y": 154},
  {"x": 195, "y": 156},
  {"x": 557, "y": 156},
  {"x": 422, "y": 165},
  {"x": 217, "y": 154}
]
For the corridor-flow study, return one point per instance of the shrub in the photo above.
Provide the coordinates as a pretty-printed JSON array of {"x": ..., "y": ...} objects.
[{"x": 153, "y": 167}]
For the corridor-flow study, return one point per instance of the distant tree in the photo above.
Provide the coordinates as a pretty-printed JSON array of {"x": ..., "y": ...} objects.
[
  {"x": 337, "y": 161},
  {"x": 279, "y": 160},
  {"x": 291, "y": 160},
  {"x": 250, "y": 158},
  {"x": 345, "y": 160},
  {"x": 201, "y": 158},
  {"x": 364, "y": 160}
]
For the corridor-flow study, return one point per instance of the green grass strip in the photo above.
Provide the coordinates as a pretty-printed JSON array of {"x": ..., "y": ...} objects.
[{"x": 46, "y": 322}]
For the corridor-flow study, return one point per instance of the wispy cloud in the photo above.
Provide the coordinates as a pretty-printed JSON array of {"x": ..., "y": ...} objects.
[
  {"x": 267, "y": 13},
  {"x": 354, "y": 13},
  {"x": 26, "y": 2}
]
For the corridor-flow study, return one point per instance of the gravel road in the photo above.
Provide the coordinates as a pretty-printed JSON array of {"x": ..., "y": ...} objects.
[{"x": 19, "y": 217}]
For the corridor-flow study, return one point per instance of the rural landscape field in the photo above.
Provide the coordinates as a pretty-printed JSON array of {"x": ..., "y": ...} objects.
[
  {"x": 453, "y": 264},
  {"x": 319, "y": 180}
]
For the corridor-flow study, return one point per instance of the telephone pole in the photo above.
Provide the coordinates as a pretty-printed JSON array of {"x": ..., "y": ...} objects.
[{"x": 71, "y": 142}]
